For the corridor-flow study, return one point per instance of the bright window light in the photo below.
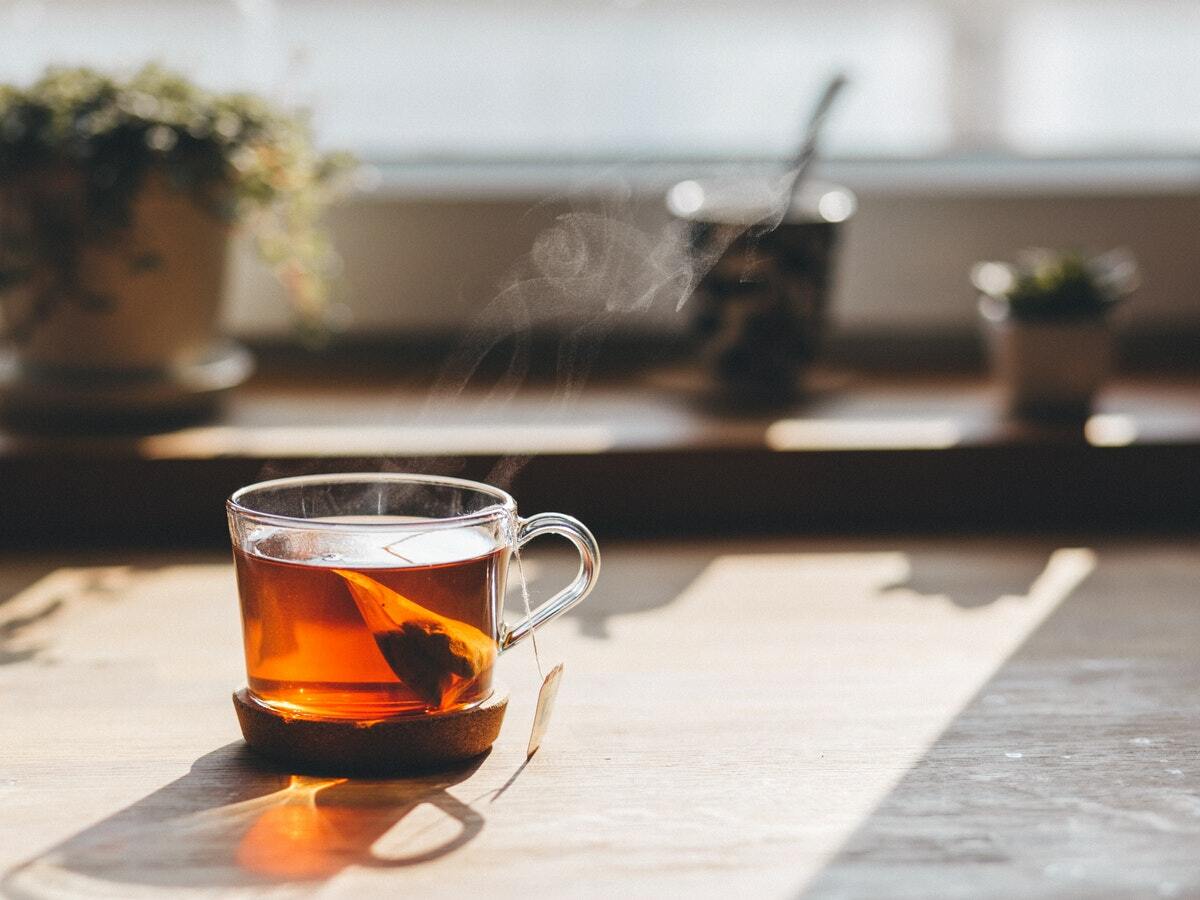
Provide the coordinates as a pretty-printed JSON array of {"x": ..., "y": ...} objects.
[{"x": 621, "y": 80}]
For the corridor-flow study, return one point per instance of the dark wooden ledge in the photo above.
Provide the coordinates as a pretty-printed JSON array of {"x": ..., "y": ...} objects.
[{"x": 645, "y": 454}]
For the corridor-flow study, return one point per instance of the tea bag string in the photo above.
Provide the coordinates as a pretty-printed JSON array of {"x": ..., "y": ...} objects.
[{"x": 537, "y": 658}]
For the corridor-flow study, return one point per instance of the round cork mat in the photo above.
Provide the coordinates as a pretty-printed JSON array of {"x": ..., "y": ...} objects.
[{"x": 387, "y": 746}]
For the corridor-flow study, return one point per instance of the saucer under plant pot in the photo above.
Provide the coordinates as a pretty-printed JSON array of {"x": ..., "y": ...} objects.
[
  {"x": 1048, "y": 325},
  {"x": 119, "y": 198}
]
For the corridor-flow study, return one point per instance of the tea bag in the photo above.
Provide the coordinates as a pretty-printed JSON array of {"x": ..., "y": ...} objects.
[{"x": 435, "y": 656}]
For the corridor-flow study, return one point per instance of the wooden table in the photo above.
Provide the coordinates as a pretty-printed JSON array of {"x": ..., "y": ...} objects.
[{"x": 743, "y": 718}]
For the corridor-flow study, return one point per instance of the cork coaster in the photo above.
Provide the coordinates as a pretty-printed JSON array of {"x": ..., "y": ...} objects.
[{"x": 388, "y": 746}]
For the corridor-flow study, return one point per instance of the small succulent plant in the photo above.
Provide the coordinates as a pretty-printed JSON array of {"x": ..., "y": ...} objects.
[
  {"x": 1045, "y": 285},
  {"x": 95, "y": 139}
]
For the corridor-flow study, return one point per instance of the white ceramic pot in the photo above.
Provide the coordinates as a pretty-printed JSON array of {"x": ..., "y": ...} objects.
[
  {"x": 163, "y": 280},
  {"x": 1050, "y": 368},
  {"x": 150, "y": 342}
]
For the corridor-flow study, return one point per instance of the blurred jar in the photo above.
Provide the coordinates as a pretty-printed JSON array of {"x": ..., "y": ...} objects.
[{"x": 761, "y": 303}]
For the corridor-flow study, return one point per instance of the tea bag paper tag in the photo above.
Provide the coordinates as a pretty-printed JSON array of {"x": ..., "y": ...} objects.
[
  {"x": 545, "y": 707},
  {"x": 549, "y": 690}
]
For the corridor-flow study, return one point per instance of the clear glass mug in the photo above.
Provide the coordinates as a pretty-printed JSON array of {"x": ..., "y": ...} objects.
[{"x": 366, "y": 596}]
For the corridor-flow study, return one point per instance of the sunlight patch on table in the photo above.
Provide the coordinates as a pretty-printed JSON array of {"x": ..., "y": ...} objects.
[
  {"x": 731, "y": 738},
  {"x": 105, "y": 616},
  {"x": 840, "y": 670}
]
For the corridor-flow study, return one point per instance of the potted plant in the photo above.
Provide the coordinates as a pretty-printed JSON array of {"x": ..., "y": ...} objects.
[
  {"x": 1047, "y": 322},
  {"x": 117, "y": 201}
]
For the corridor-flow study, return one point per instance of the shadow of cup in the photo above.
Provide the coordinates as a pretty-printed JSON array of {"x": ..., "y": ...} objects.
[{"x": 234, "y": 822}]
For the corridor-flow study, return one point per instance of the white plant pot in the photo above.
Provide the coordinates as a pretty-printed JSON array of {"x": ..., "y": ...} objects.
[
  {"x": 1050, "y": 369},
  {"x": 164, "y": 279},
  {"x": 153, "y": 345}
]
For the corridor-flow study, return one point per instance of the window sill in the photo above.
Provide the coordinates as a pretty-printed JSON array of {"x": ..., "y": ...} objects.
[{"x": 640, "y": 455}]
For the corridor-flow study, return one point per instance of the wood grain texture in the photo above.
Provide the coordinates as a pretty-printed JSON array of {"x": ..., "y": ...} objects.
[{"x": 750, "y": 718}]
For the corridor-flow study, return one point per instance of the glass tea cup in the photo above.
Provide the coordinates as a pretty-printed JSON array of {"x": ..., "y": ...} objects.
[{"x": 367, "y": 596}]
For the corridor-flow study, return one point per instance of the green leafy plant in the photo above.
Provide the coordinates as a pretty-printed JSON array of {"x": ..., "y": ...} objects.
[
  {"x": 78, "y": 146},
  {"x": 1049, "y": 286}
]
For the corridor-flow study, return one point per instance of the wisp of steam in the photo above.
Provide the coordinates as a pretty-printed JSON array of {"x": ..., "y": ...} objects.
[{"x": 595, "y": 266}]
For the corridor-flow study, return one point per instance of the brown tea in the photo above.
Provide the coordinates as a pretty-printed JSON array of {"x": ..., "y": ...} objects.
[{"x": 344, "y": 632}]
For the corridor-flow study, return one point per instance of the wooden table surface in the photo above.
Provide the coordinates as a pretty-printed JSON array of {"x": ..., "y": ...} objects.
[{"x": 742, "y": 718}]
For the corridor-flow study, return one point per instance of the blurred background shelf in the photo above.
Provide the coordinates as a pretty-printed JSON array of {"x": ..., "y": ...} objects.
[{"x": 635, "y": 454}]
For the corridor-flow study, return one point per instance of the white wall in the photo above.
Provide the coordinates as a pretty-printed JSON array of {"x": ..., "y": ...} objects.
[{"x": 428, "y": 255}]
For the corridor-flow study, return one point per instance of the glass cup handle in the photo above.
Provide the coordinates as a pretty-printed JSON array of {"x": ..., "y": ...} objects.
[{"x": 589, "y": 566}]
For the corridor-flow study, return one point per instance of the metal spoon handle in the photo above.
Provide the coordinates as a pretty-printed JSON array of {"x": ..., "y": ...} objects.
[{"x": 803, "y": 159}]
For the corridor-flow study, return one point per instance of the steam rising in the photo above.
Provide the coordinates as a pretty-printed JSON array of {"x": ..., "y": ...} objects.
[{"x": 592, "y": 268}]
